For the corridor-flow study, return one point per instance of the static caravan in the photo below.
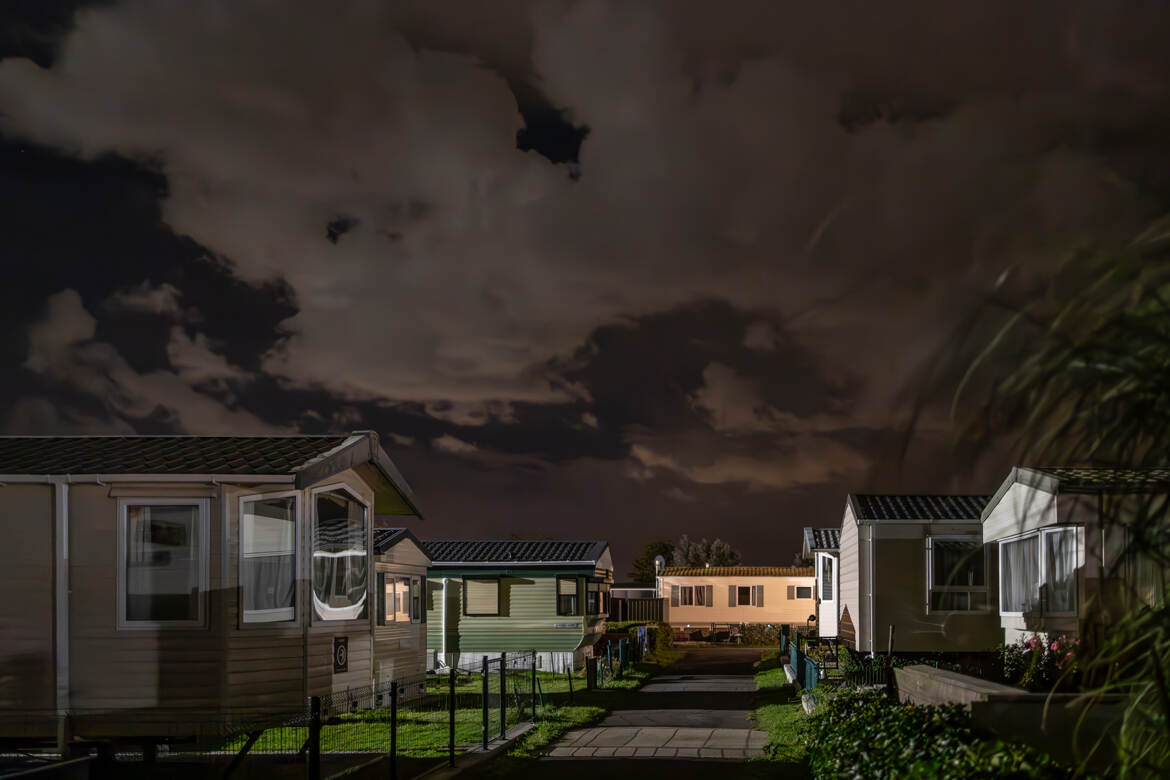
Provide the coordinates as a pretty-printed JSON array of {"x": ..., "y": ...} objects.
[
  {"x": 822, "y": 547},
  {"x": 169, "y": 583},
  {"x": 492, "y": 597},
  {"x": 1056, "y": 557},
  {"x": 917, "y": 563},
  {"x": 703, "y": 598}
]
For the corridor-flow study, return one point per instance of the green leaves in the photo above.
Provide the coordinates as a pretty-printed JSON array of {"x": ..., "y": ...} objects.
[{"x": 863, "y": 734}]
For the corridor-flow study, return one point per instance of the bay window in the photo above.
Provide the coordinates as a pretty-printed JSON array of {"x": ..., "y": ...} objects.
[
  {"x": 163, "y": 564},
  {"x": 268, "y": 558},
  {"x": 340, "y": 556},
  {"x": 956, "y": 574},
  {"x": 1038, "y": 573}
]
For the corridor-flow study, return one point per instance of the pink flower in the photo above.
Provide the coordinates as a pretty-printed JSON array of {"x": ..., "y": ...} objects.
[{"x": 1055, "y": 646}]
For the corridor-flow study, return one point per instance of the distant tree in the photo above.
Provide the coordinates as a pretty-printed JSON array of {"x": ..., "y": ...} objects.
[
  {"x": 702, "y": 552},
  {"x": 643, "y": 571}
]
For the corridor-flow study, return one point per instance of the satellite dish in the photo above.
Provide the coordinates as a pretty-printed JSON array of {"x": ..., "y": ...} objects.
[{"x": 659, "y": 563}]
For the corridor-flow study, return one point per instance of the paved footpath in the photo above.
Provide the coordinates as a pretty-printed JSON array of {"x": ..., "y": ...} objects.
[{"x": 699, "y": 712}]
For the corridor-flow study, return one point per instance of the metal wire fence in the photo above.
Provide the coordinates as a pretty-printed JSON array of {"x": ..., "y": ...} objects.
[{"x": 410, "y": 724}]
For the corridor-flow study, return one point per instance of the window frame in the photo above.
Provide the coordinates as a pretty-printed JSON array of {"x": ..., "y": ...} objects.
[
  {"x": 799, "y": 588},
  {"x": 931, "y": 588},
  {"x": 577, "y": 602},
  {"x": 298, "y": 559},
  {"x": 483, "y": 578},
  {"x": 371, "y": 571},
  {"x": 689, "y": 590},
  {"x": 204, "y": 563},
  {"x": 413, "y": 601},
  {"x": 751, "y": 596},
  {"x": 1039, "y": 535}
]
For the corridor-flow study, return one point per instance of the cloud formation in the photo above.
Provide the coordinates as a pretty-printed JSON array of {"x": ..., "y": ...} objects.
[{"x": 844, "y": 183}]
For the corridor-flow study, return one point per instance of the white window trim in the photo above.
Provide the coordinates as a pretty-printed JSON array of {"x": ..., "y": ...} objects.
[
  {"x": 371, "y": 576},
  {"x": 1039, "y": 535},
  {"x": 799, "y": 597},
  {"x": 930, "y": 586},
  {"x": 298, "y": 551},
  {"x": 204, "y": 505}
]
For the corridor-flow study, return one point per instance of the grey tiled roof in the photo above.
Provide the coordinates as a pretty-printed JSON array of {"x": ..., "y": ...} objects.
[
  {"x": 385, "y": 538},
  {"x": 161, "y": 454},
  {"x": 454, "y": 551},
  {"x": 912, "y": 508},
  {"x": 822, "y": 538},
  {"x": 1087, "y": 478}
]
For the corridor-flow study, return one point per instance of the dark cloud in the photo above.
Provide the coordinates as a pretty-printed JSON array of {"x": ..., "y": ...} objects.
[{"x": 786, "y": 208}]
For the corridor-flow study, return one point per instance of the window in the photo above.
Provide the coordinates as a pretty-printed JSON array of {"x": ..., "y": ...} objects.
[
  {"x": 592, "y": 597},
  {"x": 481, "y": 596},
  {"x": 826, "y": 578},
  {"x": 398, "y": 599},
  {"x": 567, "y": 599},
  {"x": 743, "y": 596},
  {"x": 955, "y": 574},
  {"x": 694, "y": 596},
  {"x": 340, "y": 561},
  {"x": 1060, "y": 565},
  {"x": 417, "y": 613},
  {"x": 804, "y": 591},
  {"x": 268, "y": 559},
  {"x": 163, "y": 567},
  {"x": 1038, "y": 572}
]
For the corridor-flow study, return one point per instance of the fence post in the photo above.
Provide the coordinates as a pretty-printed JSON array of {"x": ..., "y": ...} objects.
[
  {"x": 314, "y": 738},
  {"x": 569, "y": 668},
  {"x": 590, "y": 673},
  {"x": 503, "y": 695},
  {"x": 486, "y": 695},
  {"x": 451, "y": 720},
  {"x": 533, "y": 686},
  {"x": 394, "y": 730}
]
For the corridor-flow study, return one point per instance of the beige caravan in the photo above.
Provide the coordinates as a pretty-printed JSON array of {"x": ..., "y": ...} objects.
[
  {"x": 703, "y": 599},
  {"x": 168, "y": 583}
]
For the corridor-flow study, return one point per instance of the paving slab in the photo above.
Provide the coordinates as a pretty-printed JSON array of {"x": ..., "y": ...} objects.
[{"x": 700, "y": 716}]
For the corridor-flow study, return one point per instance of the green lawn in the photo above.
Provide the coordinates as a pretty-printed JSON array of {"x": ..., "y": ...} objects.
[
  {"x": 424, "y": 733},
  {"x": 778, "y": 712}
]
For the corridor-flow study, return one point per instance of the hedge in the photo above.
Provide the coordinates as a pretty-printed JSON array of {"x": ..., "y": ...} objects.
[{"x": 862, "y": 734}]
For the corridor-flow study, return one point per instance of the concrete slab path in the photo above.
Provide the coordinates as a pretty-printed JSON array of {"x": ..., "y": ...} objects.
[{"x": 699, "y": 712}]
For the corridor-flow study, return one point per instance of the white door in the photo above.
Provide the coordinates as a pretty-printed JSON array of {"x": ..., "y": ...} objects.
[{"x": 827, "y": 594}]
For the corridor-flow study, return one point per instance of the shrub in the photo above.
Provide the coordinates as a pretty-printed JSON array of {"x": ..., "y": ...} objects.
[
  {"x": 757, "y": 635},
  {"x": 863, "y": 734},
  {"x": 663, "y": 637},
  {"x": 1040, "y": 664}
]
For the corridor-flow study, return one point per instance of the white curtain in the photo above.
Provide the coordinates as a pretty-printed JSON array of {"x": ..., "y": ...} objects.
[
  {"x": 1060, "y": 560},
  {"x": 1020, "y": 577},
  {"x": 268, "y": 559}
]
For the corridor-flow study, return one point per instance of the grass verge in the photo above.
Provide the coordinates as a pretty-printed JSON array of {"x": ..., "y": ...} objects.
[{"x": 778, "y": 712}]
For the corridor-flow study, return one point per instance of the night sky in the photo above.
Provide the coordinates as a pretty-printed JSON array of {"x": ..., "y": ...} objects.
[{"x": 617, "y": 270}]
